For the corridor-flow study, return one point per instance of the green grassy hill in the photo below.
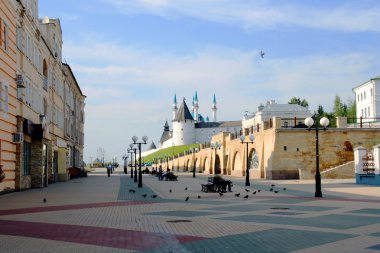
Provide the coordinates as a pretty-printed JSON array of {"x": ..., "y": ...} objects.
[{"x": 162, "y": 153}]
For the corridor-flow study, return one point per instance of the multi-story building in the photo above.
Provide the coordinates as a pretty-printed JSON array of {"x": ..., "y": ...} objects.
[
  {"x": 40, "y": 93},
  {"x": 74, "y": 118},
  {"x": 291, "y": 115},
  {"x": 8, "y": 94},
  {"x": 367, "y": 96}
]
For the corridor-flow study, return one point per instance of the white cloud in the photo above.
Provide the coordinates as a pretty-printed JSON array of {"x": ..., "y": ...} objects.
[
  {"x": 259, "y": 15},
  {"x": 133, "y": 96}
]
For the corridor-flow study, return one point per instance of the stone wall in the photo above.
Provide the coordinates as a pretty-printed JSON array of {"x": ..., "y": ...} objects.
[
  {"x": 343, "y": 171},
  {"x": 282, "y": 153}
]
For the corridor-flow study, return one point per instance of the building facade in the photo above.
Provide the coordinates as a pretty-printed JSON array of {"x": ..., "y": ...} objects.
[
  {"x": 367, "y": 97},
  {"x": 291, "y": 115},
  {"x": 8, "y": 95},
  {"x": 42, "y": 149}
]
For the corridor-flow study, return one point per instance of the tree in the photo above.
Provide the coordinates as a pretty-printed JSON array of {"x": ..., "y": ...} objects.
[
  {"x": 298, "y": 101},
  {"x": 340, "y": 109},
  {"x": 320, "y": 111},
  {"x": 351, "y": 108}
]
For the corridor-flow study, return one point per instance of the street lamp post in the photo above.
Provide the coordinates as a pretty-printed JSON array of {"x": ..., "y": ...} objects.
[
  {"x": 251, "y": 139},
  {"x": 130, "y": 150},
  {"x": 134, "y": 151},
  {"x": 215, "y": 146},
  {"x": 324, "y": 122},
  {"x": 195, "y": 168},
  {"x": 145, "y": 139},
  {"x": 125, "y": 159}
]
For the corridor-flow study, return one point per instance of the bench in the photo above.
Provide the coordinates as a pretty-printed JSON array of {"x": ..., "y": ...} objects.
[
  {"x": 209, "y": 187},
  {"x": 217, "y": 184}
]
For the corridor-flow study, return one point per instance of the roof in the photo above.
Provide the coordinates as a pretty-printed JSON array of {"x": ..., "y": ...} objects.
[
  {"x": 372, "y": 79},
  {"x": 75, "y": 80},
  {"x": 166, "y": 135},
  {"x": 284, "y": 108},
  {"x": 152, "y": 146},
  {"x": 166, "y": 127},
  {"x": 218, "y": 124},
  {"x": 183, "y": 113}
]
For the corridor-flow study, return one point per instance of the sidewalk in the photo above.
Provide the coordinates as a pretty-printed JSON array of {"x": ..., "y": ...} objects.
[{"x": 103, "y": 214}]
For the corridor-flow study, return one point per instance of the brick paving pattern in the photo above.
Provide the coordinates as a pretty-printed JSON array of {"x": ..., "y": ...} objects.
[{"x": 111, "y": 214}]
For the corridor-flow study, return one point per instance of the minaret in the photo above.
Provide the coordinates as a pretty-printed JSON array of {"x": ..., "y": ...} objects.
[
  {"x": 196, "y": 106},
  {"x": 213, "y": 108},
  {"x": 192, "y": 107},
  {"x": 175, "y": 108}
]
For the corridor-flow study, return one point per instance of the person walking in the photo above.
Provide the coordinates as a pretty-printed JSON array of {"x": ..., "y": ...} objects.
[{"x": 109, "y": 168}]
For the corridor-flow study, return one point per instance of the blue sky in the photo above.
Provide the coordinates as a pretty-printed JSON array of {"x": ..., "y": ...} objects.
[{"x": 131, "y": 56}]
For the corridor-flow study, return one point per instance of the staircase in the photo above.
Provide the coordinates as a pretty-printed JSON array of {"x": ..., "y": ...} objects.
[{"x": 346, "y": 170}]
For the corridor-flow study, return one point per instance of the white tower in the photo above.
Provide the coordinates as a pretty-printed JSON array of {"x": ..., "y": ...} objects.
[
  {"x": 213, "y": 108},
  {"x": 196, "y": 107},
  {"x": 183, "y": 126},
  {"x": 175, "y": 108}
]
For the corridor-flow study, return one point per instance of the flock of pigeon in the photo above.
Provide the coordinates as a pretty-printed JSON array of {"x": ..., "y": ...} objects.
[{"x": 272, "y": 189}]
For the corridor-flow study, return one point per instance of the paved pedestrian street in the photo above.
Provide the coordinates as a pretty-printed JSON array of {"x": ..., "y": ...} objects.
[{"x": 111, "y": 214}]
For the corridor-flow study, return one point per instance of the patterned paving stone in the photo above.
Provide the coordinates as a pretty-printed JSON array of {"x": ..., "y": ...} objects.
[
  {"x": 286, "y": 213},
  {"x": 258, "y": 206},
  {"x": 284, "y": 200},
  {"x": 67, "y": 207},
  {"x": 375, "y": 247},
  {"x": 182, "y": 213},
  {"x": 268, "y": 241},
  {"x": 367, "y": 211},
  {"x": 326, "y": 221},
  {"x": 109, "y": 237}
]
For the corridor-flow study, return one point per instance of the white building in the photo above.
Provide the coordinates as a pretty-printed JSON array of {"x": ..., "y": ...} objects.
[
  {"x": 367, "y": 96},
  {"x": 192, "y": 127},
  {"x": 291, "y": 115}
]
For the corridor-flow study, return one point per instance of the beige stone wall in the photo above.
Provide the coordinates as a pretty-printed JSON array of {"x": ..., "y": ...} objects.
[
  {"x": 282, "y": 153},
  {"x": 346, "y": 170},
  {"x": 8, "y": 120}
]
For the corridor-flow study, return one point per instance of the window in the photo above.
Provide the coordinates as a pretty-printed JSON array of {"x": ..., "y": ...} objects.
[
  {"x": 285, "y": 148},
  {"x": 26, "y": 158},
  {"x": 364, "y": 95},
  {"x": 369, "y": 114},
  {"x": 1, "y": 97},
  {"x": 365, "y": 112},
  {"x": 19, "y": 37},
  {"x": 4, "y": 97},
  {"x": 6, "y": 108},
  {"x": 371, "y": 92},
  {"x": 1, "y": 32},
  {"x": 358, "y": 97},
  {"x": 5, "y": 36}
]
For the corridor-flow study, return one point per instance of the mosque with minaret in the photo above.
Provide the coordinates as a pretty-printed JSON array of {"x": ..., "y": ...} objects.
[{"x": 190, "y": 127}]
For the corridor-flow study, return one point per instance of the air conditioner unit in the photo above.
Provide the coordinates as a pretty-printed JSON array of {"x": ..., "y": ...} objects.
[
  {"x": 18, "y": 137},
  {"x": 20, "y": 81}
]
